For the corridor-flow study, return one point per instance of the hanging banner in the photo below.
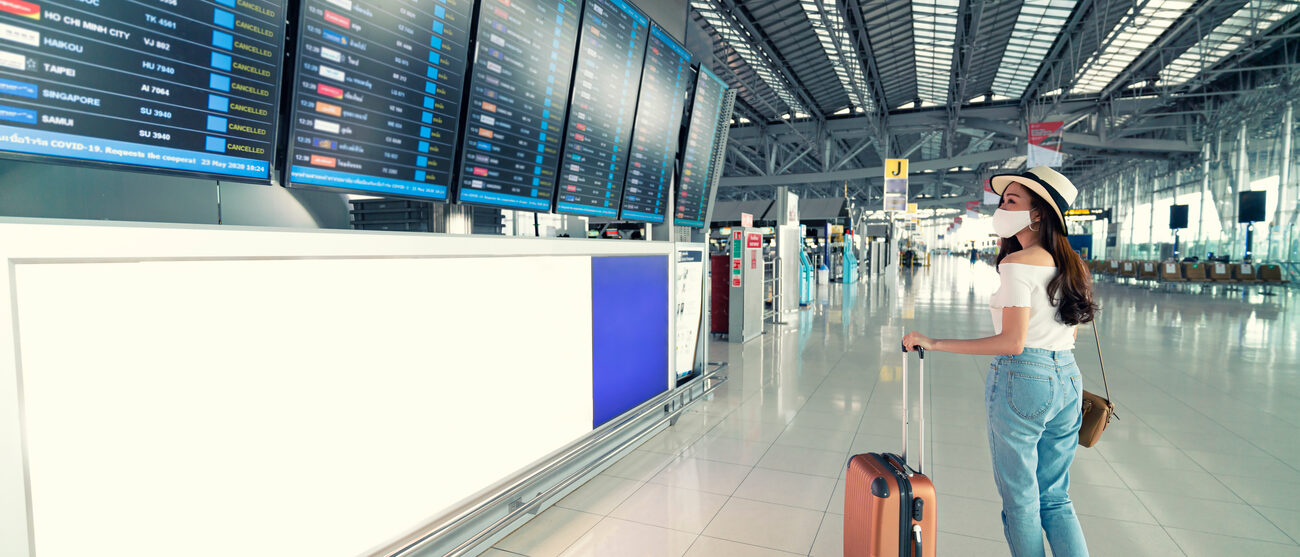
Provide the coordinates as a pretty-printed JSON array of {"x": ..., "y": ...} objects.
[
  {"x": 970, "y": 209},
  {"x": 990, "y": 198},
  {"x": 895, "y": 185},
  {"x": 791, "y": 217},
  {"x": 1045, "y": 144}
]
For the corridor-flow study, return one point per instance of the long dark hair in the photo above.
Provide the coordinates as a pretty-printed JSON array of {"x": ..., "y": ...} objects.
[{"x": 1071, "y": 289}]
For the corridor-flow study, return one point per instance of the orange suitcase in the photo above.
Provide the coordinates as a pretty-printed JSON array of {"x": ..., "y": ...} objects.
[{"x": 889, "y": 507}]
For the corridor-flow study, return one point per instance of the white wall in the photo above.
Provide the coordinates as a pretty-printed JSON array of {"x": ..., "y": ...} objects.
[{"x": 190, "y": 387}]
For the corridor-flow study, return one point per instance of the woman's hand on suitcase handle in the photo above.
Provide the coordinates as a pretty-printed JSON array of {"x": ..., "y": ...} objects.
[{"x": 914, "y": 339}]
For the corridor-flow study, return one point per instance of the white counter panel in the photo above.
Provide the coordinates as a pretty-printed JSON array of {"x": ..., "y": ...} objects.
[{"x": 272, "y": 392}]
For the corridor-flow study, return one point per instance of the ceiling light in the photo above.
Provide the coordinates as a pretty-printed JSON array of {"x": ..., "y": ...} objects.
[
  {"x": 837, "y": 43},
  {"x": 1249, "y": 21},
  {"x": 934, "y": 31},
  {"x": 740, "y": 41},
  {"x": 1037, "y": 26},
  {"x": 1128, "y": 40}
]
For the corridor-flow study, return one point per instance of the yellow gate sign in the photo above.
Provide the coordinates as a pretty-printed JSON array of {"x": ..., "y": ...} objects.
[
  {"x": 895, "y": 168},
  {"x": 895, "y": 198}
]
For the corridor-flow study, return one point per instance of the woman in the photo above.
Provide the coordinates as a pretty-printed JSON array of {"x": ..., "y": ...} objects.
[{"x": 1033, "y": 391}]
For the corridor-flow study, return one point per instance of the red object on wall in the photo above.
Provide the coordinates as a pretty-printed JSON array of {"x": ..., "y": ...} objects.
[{"x": 719, "y": 292}]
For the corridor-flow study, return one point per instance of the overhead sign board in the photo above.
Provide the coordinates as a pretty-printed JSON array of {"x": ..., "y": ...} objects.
[
  {"x": 1087, "y": 214},
  {"x": 895, "y": 185}
]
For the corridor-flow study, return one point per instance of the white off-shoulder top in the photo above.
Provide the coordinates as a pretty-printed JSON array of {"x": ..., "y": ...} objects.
[{"x": 1026, "y": 286}]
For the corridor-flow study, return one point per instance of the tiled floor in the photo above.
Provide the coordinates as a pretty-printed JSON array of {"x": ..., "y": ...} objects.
[{"x": 1205, "y": 460}]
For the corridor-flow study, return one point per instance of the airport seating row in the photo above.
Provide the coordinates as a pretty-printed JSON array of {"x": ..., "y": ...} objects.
[{"x": 1206, "y": 272}]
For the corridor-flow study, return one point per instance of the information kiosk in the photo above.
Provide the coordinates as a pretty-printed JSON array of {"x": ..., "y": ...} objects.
[{"x": 745, "y": 311}]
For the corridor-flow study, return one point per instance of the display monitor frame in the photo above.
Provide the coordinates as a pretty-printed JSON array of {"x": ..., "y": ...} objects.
[
  {"x": 1178, "y": 217},
  {"x": 290, "y": 97},
  {"x": 621, "y": 176},
  {"x": 1257, "y": 204},
  {"x": 701, "y": 74},
  {"x": 269, "y": 158},
  {"x": 674, "y": 126},
  {"x": 458, "y": 189}
]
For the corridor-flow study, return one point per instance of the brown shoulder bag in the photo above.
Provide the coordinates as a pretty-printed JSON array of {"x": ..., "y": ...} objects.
[{"x": 1097, "y": 410}]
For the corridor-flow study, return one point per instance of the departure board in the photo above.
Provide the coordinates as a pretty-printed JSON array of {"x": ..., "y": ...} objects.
[
  {"x": 518, "y": 93},
  {"x": 169, "y": 85},
  {"x": 693, "y": 187},
  {"x": 377, "y": 95},
  {"x": 664, "y": 82},
  {"x": 602, "y": 108}
]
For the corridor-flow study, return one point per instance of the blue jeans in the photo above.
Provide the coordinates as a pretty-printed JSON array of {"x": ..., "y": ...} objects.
[{"x": 1034, "y": 417}]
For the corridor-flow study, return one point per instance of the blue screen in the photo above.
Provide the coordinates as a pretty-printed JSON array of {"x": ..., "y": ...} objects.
[{"x": 629, "y": 302}]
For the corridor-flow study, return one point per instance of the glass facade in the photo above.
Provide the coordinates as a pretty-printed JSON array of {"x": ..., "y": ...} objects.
[{"x": 1238, "y": 159}]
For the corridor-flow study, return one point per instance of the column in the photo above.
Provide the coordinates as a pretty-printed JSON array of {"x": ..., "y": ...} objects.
[
  {"x": 1205, "y": 195},
  {"x": 1132, "y": 210},
  {"x": 1151, "y": 223},
  {"x": 1243, "y": 179},
  {"x": 1286, "y": 206}
]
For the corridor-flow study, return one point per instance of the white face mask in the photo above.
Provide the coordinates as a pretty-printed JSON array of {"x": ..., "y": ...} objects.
[{"x": 1008, "y": 223}]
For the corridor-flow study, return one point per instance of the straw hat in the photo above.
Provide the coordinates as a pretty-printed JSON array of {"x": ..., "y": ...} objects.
[{"x": 1049, "y": 184}]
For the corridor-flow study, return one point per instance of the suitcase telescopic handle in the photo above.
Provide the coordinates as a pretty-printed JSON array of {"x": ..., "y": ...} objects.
[{"x": 921, "y": 406}]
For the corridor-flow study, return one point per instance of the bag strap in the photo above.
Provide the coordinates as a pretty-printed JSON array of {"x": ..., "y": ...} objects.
[{"x": 1099, "y": 358}]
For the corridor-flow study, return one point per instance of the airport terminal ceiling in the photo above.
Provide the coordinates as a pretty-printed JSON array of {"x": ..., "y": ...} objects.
[
  {"x": 825, "y": 91},
  {"x": 828, "y": 89}
]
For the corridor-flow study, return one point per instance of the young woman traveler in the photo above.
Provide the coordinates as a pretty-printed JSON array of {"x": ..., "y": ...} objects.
[{"x": 1033, "y": 390}]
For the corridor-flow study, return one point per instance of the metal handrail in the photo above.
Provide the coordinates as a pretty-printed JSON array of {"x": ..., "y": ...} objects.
[
  {"x": 510, "y": 517},
  {"x": 1292, "y": 269},
  {"x": 471, "y": 511}
]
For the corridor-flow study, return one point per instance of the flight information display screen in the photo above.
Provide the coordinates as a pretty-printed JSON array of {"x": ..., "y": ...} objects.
[
  {"x": 693, "y": 195},
  {"x": 664, "y": 82},
  {"x": 168, "y": 85},
  {"x": 518, "y": 93},
  {"x": 377, "y": 95},
  {"x": 602, "y": 108}
]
